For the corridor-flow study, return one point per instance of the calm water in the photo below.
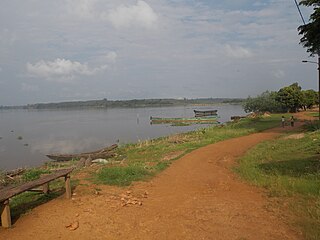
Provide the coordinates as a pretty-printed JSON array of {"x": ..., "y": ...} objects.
[{"x": 26, "y": 136}]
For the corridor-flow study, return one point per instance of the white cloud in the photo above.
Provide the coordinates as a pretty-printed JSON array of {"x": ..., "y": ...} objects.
[
  {"x": 278, "y": 74},
  {"x": 29, "y": 88},
  {"x": 61, "y": 69},
  {"x": 237, "y": 51},
  {"x": 111, "y": 57},
  {"x": 81, "y": 8},
  {"x": 141, "y": 15}
]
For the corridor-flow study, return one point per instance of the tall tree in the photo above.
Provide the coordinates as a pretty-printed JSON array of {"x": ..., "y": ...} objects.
[
  {"x": 310, "y": 98},
  {"x": 290, "y": 98},
  {"x": 311, "y": 30},
  {"x": 265, "y": 102}
]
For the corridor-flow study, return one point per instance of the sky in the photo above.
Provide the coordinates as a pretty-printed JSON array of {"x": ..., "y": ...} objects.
[{"x": 68, "y": 50}]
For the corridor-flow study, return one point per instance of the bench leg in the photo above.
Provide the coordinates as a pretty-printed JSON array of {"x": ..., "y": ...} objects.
[
  {"x": 45, "y": 188},
  {"x": 5, "y": 214},
  {"x": 68, "y": 186}
]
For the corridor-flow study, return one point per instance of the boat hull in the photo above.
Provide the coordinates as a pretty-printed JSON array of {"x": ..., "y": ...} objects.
[
  {"x": 197, "y": 120},
  {"x": 199, "y": 113},
  {"x": 102, "y": 153}
]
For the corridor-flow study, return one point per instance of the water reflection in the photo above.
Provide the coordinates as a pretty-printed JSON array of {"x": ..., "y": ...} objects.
[{"x": 75, "y": 131}]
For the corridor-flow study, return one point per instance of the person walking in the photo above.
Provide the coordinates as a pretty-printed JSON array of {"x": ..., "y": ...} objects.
[
  {"x": 283, "y": 121},
  {"x": 292, "y": 121}
]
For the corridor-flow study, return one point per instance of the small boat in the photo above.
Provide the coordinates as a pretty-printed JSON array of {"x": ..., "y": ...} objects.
[
  {"x": 199, "y": 120},
  {"x": 102, "y": 153},
  {"x": 237, "y": 118},
  {"x": 204, "y": 113}
]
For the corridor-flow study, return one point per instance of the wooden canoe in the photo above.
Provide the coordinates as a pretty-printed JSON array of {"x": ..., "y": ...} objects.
[
  {"x": 204, "y": 120},
  {"x": 102, "y": 153},
  {"x": 199, "y": 113}
]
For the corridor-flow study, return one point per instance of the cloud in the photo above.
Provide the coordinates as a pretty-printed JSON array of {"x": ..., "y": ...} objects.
[
  {"x": 29, "y": 88},
  {"x": 81, "y": 8},
  {"x": 61, "y": 69},
  {"x": 111, "y": 57},
  {"x": 237, "y": 51},
  {"x": 141, "y": 15},
  {"x": 279, "y": 74},
  {"x": 7, "y": 38}
]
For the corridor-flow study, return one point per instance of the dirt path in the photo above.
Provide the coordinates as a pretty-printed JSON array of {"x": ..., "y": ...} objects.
[{"x": 198, "y": 197}]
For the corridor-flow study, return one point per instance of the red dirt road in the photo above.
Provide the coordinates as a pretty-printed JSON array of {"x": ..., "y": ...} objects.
[{"x": 197, "y": 197}]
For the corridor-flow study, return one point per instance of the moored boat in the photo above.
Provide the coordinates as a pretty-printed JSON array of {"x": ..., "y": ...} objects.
[
  {"x": 102, "y": 153},
  {"x": 199, "y": 120},
  {"x": 204, "y": 113}
]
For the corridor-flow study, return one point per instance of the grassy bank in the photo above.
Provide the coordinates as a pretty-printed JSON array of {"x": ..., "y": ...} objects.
[
  {"x": 315, "y": 114},
  {"x": 144, "y": 159},
  {"x": 141, "y": 161},
  {"x": 289, "y": 167}
]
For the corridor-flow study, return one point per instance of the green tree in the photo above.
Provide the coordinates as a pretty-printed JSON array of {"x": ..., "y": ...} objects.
[
  {"x": 290, "y": 98},
  {"x": 311, "y": 31},
  {"x": 265, "y": 102},
  {"x": 310, "y": 98}
]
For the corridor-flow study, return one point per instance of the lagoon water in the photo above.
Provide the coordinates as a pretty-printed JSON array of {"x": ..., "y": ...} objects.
[{"x": 26, "y": 136}]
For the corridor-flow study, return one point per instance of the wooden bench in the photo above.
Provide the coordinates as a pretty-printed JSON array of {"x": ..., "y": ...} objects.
[{"x": 9, "y": 192}]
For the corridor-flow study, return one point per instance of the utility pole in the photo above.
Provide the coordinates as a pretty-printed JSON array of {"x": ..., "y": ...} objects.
[
  {"x": 318, "y": 63},
  {"x": 319, "y": 84}
]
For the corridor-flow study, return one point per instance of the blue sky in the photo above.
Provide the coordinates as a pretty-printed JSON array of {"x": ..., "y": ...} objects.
[{"x": 66, "y": 50}]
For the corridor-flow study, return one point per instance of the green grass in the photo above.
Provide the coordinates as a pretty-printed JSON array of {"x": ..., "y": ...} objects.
[
  {"x": 33, "y": 174},
  {"x": 152, "y": 155},
  {"x": 289, "y": 169},
  {"x": 312, "y": 126},
  {"x": 315, "y": 114},
  {"x": 121, "y": 176}
]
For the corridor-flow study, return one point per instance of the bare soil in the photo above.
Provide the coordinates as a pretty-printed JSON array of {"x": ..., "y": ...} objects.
[{"x": 197, "y": 197}]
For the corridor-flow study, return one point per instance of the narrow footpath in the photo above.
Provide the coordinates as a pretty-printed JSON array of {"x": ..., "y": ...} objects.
[{"x": 197, "y": 197}]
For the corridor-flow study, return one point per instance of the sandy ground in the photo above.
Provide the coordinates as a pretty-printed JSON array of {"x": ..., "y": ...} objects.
[{"x": 197, "y": 197}]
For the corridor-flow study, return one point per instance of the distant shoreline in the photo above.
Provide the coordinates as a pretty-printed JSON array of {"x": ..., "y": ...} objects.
[{"x": 135, "y": 103}]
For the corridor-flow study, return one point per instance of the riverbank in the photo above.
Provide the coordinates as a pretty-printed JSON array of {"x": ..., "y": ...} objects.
[
  {"x": 197, "y": 196},
  {"x": 27, "y": 136},
  {"x": 289, "y": 168},
  {"x": 152, "y": 156}
]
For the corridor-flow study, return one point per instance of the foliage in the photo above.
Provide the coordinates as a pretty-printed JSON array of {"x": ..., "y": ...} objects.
[
  {"x": 135, "y": 103},
  {"x": 289, "y": 168},
  {"x": 312, "y": 126},
  {"x": 290, "y": 98},
  {"x": 287, "y": 99},
  {"x": 310, "y": 32},
  {"x": 310, "y": 98},
  {"x": 266, "y": 102}
]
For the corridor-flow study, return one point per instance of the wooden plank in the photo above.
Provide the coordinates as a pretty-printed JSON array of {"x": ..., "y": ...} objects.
[
  {"x": 5, "y": 214},
  {"x": 7, "y": 193}
]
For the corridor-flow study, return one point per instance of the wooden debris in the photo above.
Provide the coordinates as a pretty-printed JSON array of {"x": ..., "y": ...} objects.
[
  {"x": 88, "y": 162},
  {"x": 81, "y": 163},
  {"x": 73, "y": 226}
]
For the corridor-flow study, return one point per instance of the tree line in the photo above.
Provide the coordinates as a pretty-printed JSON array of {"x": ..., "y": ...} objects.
[
  {"x": 287, "y": 99},
  {"x": 134, "y": 103}
]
